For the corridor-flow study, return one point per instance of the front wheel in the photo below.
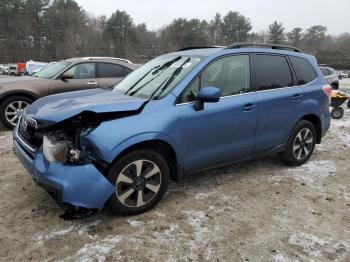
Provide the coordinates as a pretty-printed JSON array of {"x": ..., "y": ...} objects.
[
  {"x": 141, "y": 179},
  {"x": 300, "y": 145},
  {"x": 12, "y": 108}
]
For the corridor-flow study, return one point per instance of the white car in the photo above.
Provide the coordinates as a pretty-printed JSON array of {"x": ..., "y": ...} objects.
[{"x": 331, "y": 76}]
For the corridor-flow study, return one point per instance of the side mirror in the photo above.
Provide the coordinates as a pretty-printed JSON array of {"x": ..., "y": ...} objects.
[
  {"x": 207, "y": 95},
  {"x": 67, "y": 75}
]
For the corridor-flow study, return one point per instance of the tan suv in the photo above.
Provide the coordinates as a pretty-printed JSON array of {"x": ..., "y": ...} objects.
[{"x": 74, "y": 74}]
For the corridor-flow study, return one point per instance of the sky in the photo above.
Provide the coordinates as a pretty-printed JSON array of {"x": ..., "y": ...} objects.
[{"x": 335, "y": 14}]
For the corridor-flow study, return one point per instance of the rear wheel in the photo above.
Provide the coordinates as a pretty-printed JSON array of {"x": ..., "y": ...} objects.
[
  {"x": 337, "y": 112},
  {"x": 12, "y": 108},
  {"x": 301, "y": 144},
  {"x": 141, "y": 179}
]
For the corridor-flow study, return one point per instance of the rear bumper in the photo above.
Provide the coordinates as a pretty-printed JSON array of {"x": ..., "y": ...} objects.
[{"x": 82, "y": 186}]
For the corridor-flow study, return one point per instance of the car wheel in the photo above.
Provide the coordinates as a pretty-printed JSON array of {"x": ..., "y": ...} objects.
[
  {"x": 300, "y": 145},
  {"x": 141, "y": 179},
  {"x": 337, "y": 112},
  {"x": 12, "y": 108}
]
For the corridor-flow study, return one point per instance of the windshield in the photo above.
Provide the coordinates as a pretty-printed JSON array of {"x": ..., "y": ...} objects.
[
  {"x": 158, "y": 77},
  {"x": 51, "y": 70}
]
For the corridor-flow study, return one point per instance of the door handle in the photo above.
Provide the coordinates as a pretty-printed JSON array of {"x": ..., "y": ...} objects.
[
  {"x": 296, "y": 97},
  {"x": 92, "y": 83},
  {"x": 248, "y": 107}
]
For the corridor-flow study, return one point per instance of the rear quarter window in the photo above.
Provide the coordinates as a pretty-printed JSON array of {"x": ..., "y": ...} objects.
[
  {"x": 304, "y": 71},
  {"x": 272, "y": 71}
]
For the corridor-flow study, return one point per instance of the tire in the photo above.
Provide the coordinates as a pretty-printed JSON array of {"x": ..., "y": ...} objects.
[
  {"x": 337, "y": 112},
  {"x": 123, "y": 175},
  {"x": 349, "y": 103},
  {"x": 303, "y": 135},
  {"x": 7, "y": 112}
]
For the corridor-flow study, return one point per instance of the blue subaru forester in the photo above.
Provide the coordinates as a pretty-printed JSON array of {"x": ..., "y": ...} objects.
[{"x": 180, "y": 113}]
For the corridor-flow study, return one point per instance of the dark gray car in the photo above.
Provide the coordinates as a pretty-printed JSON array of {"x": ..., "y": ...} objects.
[{"x": 74, "y": 74}]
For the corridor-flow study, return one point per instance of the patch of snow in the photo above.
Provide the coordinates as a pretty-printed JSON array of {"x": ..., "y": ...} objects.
[
  {"x": 97, "y": 250},
  {"x": 81, "y": 228},
  {"x": 346, "y": 138},
  {"x": 201, "y": 242},
  {"x": 168, "y": 236},
  {"x": 311, "y": 172},
  {"x": 158, "y": 213},
  {"x": 201, "y": 196},
  {"x": 280, "y": 258},
  {"x": 171, "y": 259},
  {"x": 196, "y": 218},
  {"x": 55, "y": 233},
  {"x": 310, "y": 244},
  {"x": 84, "y": 228},
  {"x": 317, "y": 247},
  {"x": 135, "y": 223},
  {"x": 342, "y": 122}
]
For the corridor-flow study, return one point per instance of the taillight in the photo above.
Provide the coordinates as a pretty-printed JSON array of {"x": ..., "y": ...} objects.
[{"x": 328, "y": 90}]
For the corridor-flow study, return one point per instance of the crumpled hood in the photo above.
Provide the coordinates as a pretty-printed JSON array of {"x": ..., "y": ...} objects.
[{"x": 56, "y": 108}]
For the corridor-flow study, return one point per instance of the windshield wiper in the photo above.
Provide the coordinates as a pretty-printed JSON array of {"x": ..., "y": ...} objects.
[
  {"x": 167, "y": 64},
  {"x": 161, "y": 68},
  {"x": 127, "y": 91},
  {"x": 169, "y": 80}
]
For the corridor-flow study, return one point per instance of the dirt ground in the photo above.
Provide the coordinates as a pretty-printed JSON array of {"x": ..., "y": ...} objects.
[{"x": 256, "y": 211}]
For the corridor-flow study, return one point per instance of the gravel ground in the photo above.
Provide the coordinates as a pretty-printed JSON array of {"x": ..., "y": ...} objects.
[{"x": 256, "y": 211}]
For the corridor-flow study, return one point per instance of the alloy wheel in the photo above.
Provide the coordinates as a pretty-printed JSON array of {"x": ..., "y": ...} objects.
[
  {"x": 138, "y": 183},
  {"x": 303, "y": 143},
  {"x": 14, "y": 111}
]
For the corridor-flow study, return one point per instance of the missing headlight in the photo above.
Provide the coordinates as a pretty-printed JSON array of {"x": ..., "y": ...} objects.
[
  {"x": 60, "y": 150},
  {"x": 55, "y": 151}
]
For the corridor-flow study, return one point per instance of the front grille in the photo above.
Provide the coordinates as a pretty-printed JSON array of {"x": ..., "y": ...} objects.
[{"x": 29, "y": 133}]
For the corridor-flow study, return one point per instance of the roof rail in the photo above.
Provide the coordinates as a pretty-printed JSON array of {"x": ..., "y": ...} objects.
[
  {"x": 272, "y": 46},
  {"x": 199, "y": 47},
  {"x": 106, "y": 57}
]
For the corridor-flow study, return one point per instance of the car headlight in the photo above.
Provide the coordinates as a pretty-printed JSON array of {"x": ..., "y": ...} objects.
[
  {"x": 55, "y": 151},
  {"x": 61, "y": 151}
]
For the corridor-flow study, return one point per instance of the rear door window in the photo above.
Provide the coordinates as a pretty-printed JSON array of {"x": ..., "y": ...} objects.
[
  {"x": 303, "y": 69},
  {"x": 107, "y": 70},
  {"x": 272, "y": 71}
]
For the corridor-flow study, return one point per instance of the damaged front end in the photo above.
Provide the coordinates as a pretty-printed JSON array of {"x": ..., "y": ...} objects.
[{"x": 61, "y": 160}]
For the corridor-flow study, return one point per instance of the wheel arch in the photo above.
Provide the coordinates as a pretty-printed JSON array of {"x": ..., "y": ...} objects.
[
  {"x": 162, "y": 147},
  {"x": 316, "y": 121},
  {"x": 18, "y": 93}
]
